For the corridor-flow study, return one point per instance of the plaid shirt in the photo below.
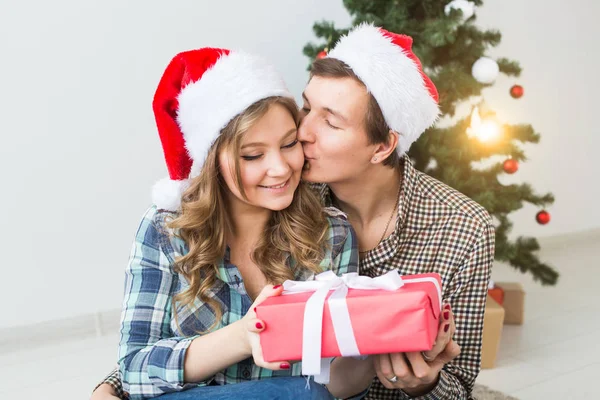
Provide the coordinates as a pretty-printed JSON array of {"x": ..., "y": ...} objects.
[
  {"x": 439, "y": 230},
  {"x": 114, "y": 380},
  {"x": 152, "y": 347}
]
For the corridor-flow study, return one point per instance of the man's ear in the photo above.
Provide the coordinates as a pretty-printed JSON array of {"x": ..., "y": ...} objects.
[{"x": 385, "y": 149}]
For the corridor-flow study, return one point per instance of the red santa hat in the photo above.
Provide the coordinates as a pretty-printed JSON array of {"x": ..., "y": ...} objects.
[
  {"x": 393, "y": 74},
  {"x": 200, "y": 92}
]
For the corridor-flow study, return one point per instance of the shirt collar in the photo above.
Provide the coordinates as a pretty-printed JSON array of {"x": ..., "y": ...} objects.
[{"x": 389, "y": 246}]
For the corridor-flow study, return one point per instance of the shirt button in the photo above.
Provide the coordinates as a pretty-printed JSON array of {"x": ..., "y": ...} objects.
[{"x": 246, "y": 373}]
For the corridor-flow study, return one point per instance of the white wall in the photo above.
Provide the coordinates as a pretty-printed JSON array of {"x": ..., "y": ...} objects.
[
  {"x": 556, "y": 43},
  {"x": 80, "y": 152}
]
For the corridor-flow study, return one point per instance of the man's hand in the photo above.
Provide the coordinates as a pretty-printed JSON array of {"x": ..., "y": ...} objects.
[{"x": 417, "y": 373}]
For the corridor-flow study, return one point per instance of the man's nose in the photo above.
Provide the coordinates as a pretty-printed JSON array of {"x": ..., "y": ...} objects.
[{"x": 305, "y": 130}]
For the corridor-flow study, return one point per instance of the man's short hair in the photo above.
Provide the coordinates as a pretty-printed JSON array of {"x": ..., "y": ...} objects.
[{"x": 377, "y": 128}]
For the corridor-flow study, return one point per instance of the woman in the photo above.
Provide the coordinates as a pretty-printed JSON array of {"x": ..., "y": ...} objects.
[{"x": 229, "y": 226}]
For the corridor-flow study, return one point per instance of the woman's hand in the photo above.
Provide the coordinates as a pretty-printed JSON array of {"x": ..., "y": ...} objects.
[
  {"x": 253, "y": 326},
  {"x": 104, "y": 392},
  {"x": 417, "y": 373},
  {"x": 445, "y": 333}
]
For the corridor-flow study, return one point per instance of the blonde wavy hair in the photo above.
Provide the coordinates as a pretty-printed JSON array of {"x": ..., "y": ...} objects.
[{"x": 298, "y": 231}]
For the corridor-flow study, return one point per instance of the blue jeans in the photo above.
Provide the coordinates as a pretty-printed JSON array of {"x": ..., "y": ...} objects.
[{"x": 281, "y": 388}]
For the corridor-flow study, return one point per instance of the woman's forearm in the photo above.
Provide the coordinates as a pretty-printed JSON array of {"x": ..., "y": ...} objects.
[
  {"x": 211, "y": 353},
  {"x": 350, "y": 376}
]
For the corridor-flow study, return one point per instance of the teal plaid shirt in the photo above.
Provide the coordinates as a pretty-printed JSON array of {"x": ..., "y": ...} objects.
[{"x": 152, "y": 347}]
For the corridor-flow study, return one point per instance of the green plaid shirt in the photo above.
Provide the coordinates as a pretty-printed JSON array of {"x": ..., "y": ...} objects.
[{"x": 152, "y": 346}]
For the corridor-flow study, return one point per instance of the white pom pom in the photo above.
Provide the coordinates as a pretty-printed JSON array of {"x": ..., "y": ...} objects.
[
  {"x": 467, "y": 8},
  {"x": 166, "y": 193},
  {"x": 485, "y": 70}
]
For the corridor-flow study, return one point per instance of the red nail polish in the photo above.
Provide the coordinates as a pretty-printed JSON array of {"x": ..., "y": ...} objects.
[
  {"x": 276, "y": 286},
  {"x": 284, "y": 366},
  {"x": 259, "y": 325},
  {"x": 447, "y": 307},
  {"x": 446, "y": 327},
  {"x": 446, "y": 314},
  {"x": 254, "y": 309}
]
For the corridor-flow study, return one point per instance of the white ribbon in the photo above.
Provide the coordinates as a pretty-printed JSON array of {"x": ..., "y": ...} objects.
[{"x": 312, "y": 364}]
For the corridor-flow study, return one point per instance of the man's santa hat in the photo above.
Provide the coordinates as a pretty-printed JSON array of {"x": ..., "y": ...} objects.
[
  {"x": 393, "y": 74},
  {"x": 200, "y": 92}
]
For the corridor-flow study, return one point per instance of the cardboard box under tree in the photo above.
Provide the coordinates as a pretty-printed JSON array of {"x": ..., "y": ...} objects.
[
  {"x": 514, "y": 302},
  {"x": 493, "y": 320}
]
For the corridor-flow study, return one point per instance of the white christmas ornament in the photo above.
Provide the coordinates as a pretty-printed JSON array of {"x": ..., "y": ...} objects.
[
  {"x": 485, "y": 70},
  {"x": 467, "y": 8}
]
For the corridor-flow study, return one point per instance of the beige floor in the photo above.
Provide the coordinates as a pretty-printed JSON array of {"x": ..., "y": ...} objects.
[{"x": 555, "y": 355}]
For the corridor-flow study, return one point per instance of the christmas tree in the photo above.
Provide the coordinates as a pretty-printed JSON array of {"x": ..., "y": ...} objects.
[{"x": 453, "y": 52}]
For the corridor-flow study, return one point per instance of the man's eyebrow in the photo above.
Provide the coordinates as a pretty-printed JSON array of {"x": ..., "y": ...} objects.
[
  {"x": 305, "y": 98},
  {"x": 329, "y": 110},
  {"x": 336, "y": 113}
]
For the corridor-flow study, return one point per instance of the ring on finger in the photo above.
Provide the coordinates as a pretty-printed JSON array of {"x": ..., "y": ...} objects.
[
  {"x": 393, "y": 379},
  {"x": 426, "y": 357}
]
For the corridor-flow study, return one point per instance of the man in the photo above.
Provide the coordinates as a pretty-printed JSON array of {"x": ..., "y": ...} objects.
[{"x": 364, "y": 105}]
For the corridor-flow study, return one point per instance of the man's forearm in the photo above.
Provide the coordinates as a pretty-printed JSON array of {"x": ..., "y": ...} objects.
[
  {"x": 448, "y": 387},
  {"x": 350, "y": 376}
]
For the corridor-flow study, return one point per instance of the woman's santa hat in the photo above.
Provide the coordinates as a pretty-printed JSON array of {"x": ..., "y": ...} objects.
[
  {"x": 393, "y": 74},
  {"x": 200, "y": 92}
]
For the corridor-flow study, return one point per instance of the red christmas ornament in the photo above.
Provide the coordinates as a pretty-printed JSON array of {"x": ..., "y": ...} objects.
[
  {"x": 517, "y": 91},
  {"x": 510, "y": 166},
  {"x": 543, "y": 217},
  {"x": 321, "y": 54}
]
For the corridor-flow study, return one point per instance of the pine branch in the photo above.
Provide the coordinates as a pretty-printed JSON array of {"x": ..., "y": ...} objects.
[{"x": 447, "y": 47}]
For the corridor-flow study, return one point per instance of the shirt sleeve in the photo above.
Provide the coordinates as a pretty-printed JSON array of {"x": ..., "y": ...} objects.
[
  {"x": 151, "y": 358},
  {"x": 467, "y": 295},
  {"x": 114, "y": 380}
]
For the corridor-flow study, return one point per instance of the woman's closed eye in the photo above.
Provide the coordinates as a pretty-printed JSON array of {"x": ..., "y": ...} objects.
[
  {"x": 289, "y": 146},
  {"x": 257, "y": 156},
  {"x": 250, "y": 158}
]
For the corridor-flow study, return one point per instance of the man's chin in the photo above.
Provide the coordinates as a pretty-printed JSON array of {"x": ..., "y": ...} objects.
[{"x": 309, "y": 176}]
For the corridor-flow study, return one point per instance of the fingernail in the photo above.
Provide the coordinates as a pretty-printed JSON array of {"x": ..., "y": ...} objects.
[
  {"x": 446, "y": 314},
  {"x": 446, "y": 327},
  {"x": 447, "y": 307},
  {"x": 284, "y": 366},
  {"x": 259, "y": 325},
  {"x": 276, "y": 286},
  {"x": 254, "y": 309}
]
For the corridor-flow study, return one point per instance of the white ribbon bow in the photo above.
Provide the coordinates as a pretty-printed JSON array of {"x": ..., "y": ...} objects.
[{"x": 312, "y": 364}]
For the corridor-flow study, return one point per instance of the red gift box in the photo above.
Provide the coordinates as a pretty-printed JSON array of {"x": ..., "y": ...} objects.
[
  {"x": 383, "y": 321},
  {"x": 497, "y": 293}
]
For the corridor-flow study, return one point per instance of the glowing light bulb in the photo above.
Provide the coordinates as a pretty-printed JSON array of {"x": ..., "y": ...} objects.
[{"x": 486, "y": 130}]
